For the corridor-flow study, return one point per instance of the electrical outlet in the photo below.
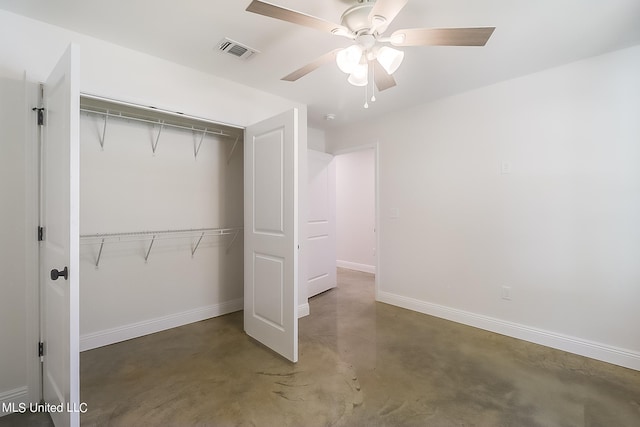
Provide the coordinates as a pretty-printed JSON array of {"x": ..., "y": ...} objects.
[{"x": 506, "y": 293}]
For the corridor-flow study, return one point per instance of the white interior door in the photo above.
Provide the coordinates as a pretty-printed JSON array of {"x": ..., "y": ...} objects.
[
  {"x": 60, "y": 257},
  {"x": 321, "y": 223},
  {"x": 271, "y": 233}
]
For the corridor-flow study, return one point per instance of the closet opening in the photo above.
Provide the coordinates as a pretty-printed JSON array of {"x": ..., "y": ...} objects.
[
  {"x": 161, "y": 220},
  {"x": 159, "y": 199}
]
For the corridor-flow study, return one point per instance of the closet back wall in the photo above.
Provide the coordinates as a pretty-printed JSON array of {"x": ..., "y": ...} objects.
[{"x": 128, "y": 188}]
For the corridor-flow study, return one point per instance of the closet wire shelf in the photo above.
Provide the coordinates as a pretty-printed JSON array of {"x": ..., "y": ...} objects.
[
  {"x": 162, "y": 123},
  {"x": 199, "y": 233}
]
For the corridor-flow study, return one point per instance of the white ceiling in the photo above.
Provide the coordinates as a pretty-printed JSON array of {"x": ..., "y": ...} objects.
[{"x": 531, "y": 35}]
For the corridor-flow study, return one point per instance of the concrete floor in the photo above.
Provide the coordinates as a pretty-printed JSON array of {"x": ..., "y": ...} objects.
[
  {"x": 27, "y": 419},
  {"x": 361, "y": 364}
]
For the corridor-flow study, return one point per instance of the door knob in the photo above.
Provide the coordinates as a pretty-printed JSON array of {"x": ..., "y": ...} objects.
[{"x": 60, "y": 273}]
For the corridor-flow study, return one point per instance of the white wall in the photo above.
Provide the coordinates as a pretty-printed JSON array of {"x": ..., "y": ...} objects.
[
  {"x": 13, "y": 323},
  {"x": 560, "y": 228},
  {"x": 316, "y": 140},
  {"x": 113, "y": 72},
  {"x": 355, "y": 210}
]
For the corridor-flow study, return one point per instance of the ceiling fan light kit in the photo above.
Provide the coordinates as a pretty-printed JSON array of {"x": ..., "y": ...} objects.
[
  {"x": 389, "y": 58},
  {"x": 360, "y": 75},
  {"x": 349, "y": 58},
  {"x": 365, "y": 22},
  {"x": 354, "y": 59}
]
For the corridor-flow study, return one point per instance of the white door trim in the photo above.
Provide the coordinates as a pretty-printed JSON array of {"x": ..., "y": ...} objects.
[{"x": 31, "y": 266}]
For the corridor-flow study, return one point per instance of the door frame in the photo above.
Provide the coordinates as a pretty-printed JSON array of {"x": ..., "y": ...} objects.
[
  {"x": 376, "y": 150},
  {"x": 33, "y": 134}
]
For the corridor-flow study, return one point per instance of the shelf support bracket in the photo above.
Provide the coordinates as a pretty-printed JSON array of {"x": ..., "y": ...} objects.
[
  {"x": 146, "y": 257},
  {"x": 154, "y": 146},
  {"x": 233, "y": 149},
  {"x": 235, "y": 236},
  {"x": 104, "y": 130},
  {"x": 195, "y": 248},
  {"x": 99, "y": 253},
  {"x": 196, "y": 149}
]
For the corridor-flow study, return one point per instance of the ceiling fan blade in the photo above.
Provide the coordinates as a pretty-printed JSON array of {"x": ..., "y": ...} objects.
[
  {"x": 383, "y": 80},
  {"x": 284, "y": 14},
  {"x": 442, "y": 36},
  {"x": 301, "y": 72},
  {"x": 386, "y": 9}
]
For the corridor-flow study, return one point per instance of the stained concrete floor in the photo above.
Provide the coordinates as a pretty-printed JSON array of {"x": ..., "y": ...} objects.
[{"x": 361, "y": 363}]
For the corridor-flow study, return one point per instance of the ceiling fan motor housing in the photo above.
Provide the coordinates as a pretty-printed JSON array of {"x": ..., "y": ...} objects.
[{"x": 356, "y": 18}]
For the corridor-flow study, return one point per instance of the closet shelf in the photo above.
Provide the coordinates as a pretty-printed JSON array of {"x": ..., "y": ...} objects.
[
  {"x": 152, "y": 236},
  {"x": 159, "y": 122},
  {"x": 161, "y": 119}
]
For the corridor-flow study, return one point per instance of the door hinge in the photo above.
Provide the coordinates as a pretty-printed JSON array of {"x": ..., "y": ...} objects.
[
  {"x": 40, "y": 234},
  {"x": 40, "y": 112},
  {"x": 41, "y": 349}
]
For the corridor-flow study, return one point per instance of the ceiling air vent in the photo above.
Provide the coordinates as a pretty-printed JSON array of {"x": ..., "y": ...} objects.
[{"x": 236, "y": 49}]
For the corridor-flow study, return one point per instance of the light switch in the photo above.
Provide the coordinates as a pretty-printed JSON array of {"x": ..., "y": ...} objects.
[
  {"x": 394, "y": 213},
  {"x": 505, "y": 167}
]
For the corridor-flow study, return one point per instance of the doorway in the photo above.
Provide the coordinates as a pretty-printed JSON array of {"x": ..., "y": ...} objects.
[{"x": 356, "y": 242}]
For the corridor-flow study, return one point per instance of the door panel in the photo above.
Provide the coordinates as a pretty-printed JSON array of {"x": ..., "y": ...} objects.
[
  {"x": 269, "y": 183},
  {"x": 269, "y": 290},
  {"x": 271, "y": 233},
  {"x": 321, "y": 225},
  {"x": 60, "y": 248}
]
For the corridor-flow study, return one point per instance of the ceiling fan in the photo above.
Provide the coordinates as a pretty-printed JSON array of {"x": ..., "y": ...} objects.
[{"x": 365, "y": 23}]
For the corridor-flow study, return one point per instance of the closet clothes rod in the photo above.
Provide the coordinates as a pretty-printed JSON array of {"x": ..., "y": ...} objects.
[
  {"x": 101, "y": 239},
  {"x": 203, "y": 129},
  {"x": 161, "y": 233}
]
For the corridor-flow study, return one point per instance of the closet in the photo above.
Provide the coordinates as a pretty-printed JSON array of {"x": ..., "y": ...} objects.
[
  {"x": 161, "y": 220},
  {"x": 151, "y": 219}
]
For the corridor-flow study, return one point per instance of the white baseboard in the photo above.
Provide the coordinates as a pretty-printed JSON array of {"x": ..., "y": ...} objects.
[
  {"x": 138, "y": 329},
  {"x": 594, "y": 350},
  {"x": 11, "y": 399},
  {"x": 303, "y": 310},
  {"x": 355, "y": 266}
]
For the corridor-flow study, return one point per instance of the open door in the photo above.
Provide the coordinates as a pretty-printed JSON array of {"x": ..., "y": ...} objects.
[
  {"x": 321, "y": 223},
  {"x": 59, "y": 261},
  {"x": 271, "y": 233}
]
